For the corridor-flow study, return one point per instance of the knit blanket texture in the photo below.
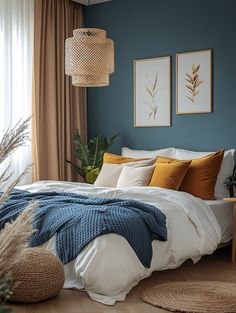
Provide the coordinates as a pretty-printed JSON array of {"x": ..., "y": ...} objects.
[{"x": 75, "y": 220}]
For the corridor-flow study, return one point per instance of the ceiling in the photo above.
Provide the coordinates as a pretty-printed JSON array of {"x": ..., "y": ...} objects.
[{"x": 85, "y": 2}]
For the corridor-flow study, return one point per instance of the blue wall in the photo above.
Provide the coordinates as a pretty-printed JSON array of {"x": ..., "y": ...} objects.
[{"x": 151, "y": 28}]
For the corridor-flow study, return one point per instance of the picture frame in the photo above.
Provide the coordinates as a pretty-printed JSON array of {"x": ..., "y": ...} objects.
[
  {"x": 152, "y": 92},
  {"x": 194, "y": 82}
]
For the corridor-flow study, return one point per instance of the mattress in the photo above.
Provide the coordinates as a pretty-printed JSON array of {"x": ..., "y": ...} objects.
[{"x": 224, "y": 214}]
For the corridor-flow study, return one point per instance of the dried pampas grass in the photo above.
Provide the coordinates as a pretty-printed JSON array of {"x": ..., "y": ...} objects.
[
  {"x": 9, "y": 188},
  {"x": 14, "y": 237},
  {"x": 13, "y": 138}
]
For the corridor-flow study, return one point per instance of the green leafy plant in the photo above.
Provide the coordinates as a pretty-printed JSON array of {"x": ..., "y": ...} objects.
[
  {"x": 90, "y": 155},
  {"x": 230, "y": 183}
]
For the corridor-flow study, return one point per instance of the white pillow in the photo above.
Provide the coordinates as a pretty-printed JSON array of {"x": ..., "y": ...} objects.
[
  {"x": 135, "y": 176},
  {"x": 110, "y": 173},
  {"x": 129, "y": 153},
  {"x": 227, "y": 167}
]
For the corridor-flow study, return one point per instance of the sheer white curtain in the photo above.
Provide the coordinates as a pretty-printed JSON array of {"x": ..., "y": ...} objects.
[{"x": 16, "y": 50}]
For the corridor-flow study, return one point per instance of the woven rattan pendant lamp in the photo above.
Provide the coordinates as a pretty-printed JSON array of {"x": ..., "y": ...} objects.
[{"x": 89, "y": 57}]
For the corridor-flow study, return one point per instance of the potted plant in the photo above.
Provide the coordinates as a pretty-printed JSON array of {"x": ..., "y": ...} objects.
[
  {"x": 230, "y": 183},
  {"x": 90, "y": 155}
]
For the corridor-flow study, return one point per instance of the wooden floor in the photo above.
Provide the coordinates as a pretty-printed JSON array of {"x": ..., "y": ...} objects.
[{"x": 215, "y": 267}]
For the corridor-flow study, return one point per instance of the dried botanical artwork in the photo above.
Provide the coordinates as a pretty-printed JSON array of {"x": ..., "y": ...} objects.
[
  {"x": 193, "y": 83},
  {"x": 151, "y": 90}
]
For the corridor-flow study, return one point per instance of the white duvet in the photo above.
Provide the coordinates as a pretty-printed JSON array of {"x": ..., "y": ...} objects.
[{"x": 108, "y": 268}]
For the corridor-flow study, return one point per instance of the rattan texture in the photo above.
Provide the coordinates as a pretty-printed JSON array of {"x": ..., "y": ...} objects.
[
  {"x": 89, "y": 57},
  {"x": 193, "y": 296},
  {"x": 39, "y": 276}
]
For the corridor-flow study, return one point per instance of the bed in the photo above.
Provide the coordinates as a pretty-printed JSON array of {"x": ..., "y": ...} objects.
[
  {"x": 224, "y": 214},
  {"x": 107, "y": 269}
]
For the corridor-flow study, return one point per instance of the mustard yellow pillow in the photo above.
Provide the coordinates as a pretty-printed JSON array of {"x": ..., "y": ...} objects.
[
  {"x": 169, "y": 173},
  {"x": 201, "y": 176},
  {"x": 117, "y": 159}
]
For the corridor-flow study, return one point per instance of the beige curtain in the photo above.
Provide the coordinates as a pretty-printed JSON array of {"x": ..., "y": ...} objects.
[{"x": 58, "y": 107}]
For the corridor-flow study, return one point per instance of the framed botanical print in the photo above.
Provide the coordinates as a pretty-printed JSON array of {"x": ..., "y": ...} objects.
[
  {"x": 194, "y": 82},
  {"x": 152, "y": 88}
]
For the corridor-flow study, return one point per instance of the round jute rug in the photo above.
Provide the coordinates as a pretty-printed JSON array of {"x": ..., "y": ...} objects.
[{"x": 193, "y": 296}]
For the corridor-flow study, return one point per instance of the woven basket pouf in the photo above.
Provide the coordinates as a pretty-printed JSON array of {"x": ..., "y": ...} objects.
[{"x": 39, "y": 275}]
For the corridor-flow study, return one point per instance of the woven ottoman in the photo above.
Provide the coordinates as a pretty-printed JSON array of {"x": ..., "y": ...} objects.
[{"x": 39, "y": 275}]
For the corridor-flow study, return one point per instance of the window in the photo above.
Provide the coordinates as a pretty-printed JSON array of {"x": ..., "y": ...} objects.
[{"x": 16, "y": 48}]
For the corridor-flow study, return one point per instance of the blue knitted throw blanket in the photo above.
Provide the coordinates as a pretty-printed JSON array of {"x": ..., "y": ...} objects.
[{"x": 76, "y": 220}]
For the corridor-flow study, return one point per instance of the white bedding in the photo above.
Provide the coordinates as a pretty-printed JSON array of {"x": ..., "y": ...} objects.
[
  {"x": 224, "y": 213},
  {"x": 108, "y": 268}
]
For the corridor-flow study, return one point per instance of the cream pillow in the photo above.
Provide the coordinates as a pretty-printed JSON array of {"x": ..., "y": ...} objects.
[
  {"x": 110, "y": 173},
  {"x": 135, "y": 176},
  {"x": 130, "y": 153}
]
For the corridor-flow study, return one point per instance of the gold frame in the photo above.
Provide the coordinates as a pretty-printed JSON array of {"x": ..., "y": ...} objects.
[
  {"x": 170, "y": 81},
  {"x": 177, "y": 84}
]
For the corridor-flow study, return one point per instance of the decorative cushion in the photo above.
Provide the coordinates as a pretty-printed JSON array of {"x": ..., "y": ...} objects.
[
  {"x": 39, "y": 274},
  {"x": 112, "y": 167},
  {"x": 227, "y": 167},
  {"x": 117, "y": 159},
  {"x": 130, "y": 153},
  {"x": 201, "y": 176},
  {"x": 169, "y": 173},
  {"x": 109, "y": 175},
  {"x": 135, "y": 176}
]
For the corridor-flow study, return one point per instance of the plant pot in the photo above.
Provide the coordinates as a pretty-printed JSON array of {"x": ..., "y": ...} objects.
[{"x": 92, "y": 175}]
